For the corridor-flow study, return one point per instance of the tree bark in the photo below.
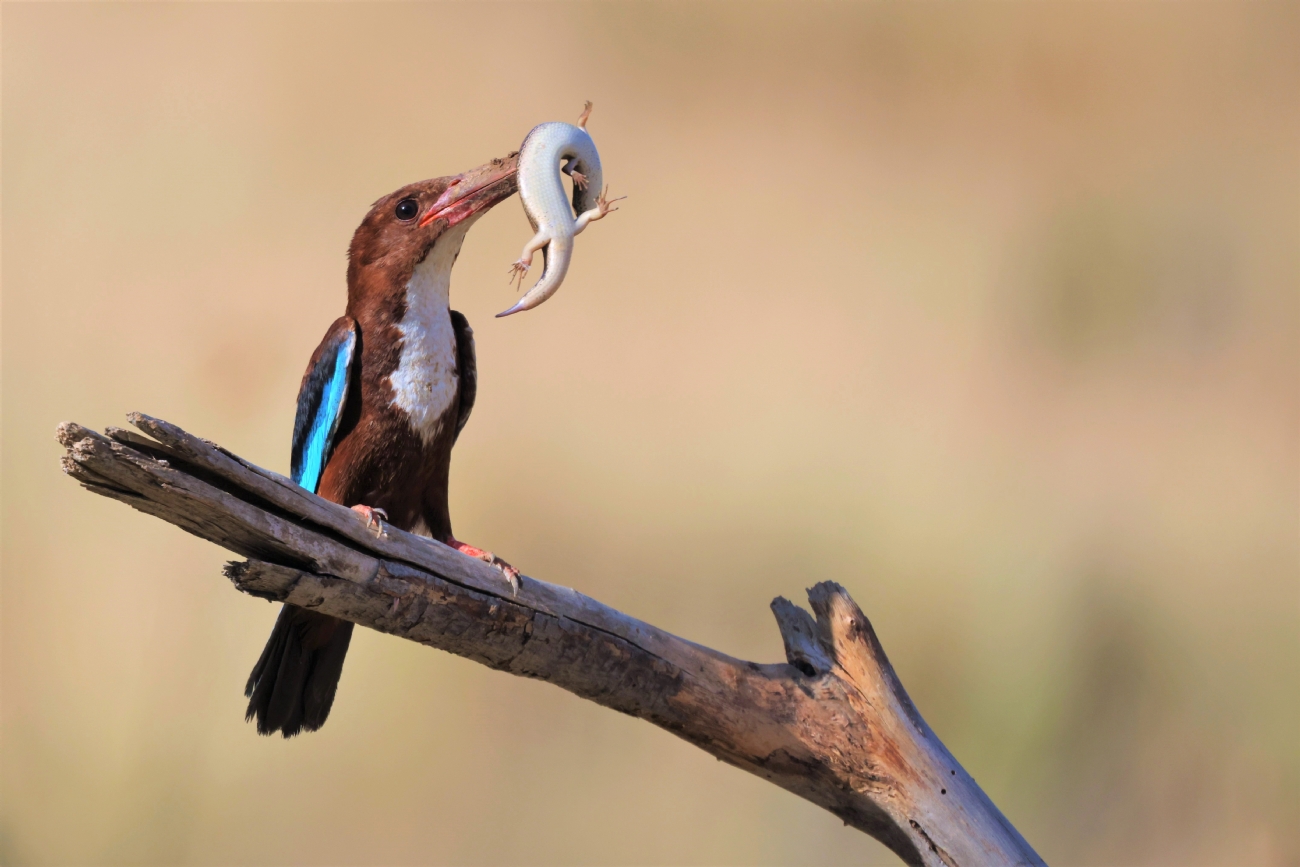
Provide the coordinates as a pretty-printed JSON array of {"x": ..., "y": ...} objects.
[{"x": 832, "y": 724}]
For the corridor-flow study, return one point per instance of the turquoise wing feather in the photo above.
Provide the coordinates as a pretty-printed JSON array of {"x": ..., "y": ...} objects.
[{"x": 321, "y": 400}]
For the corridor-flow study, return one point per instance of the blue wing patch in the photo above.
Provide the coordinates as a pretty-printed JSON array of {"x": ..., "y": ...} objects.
[{"x": 321, "y": 399}]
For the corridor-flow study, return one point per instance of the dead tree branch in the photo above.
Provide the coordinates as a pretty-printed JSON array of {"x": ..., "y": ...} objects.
[{"x": 833, "y": 724}]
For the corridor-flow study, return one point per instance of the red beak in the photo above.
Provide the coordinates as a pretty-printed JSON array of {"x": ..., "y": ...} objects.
[{"x": 475, "y": 191}]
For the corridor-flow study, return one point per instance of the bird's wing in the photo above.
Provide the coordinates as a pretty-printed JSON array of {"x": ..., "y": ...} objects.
[
  {"x": 467, "y": 367},
  {"x": 321, "y": 399}
]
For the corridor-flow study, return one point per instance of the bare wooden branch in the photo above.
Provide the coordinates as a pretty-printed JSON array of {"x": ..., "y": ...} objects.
[{"x": 833, "y": 724}]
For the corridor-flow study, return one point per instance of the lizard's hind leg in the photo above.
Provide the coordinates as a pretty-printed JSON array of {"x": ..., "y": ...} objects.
[{"x": 519, "y": 270}]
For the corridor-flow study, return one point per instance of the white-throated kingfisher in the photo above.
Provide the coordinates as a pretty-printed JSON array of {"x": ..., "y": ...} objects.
[{"x": 383, "y": 400}]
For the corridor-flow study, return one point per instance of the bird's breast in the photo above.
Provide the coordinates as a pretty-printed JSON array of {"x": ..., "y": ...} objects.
[{"x": 426, "y": 381}]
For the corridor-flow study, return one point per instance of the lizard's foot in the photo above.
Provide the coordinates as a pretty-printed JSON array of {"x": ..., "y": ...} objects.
[
  {"x": 374, "y": 518},
  {"x": 603, "y": 208},
  {"x": 570, "y": 168},
  {"x": 510, "y": 572},
  {"x": 519, "y": 271},
  {"x": 585, "y": 116},
  {"x": 603, "y": 203}
]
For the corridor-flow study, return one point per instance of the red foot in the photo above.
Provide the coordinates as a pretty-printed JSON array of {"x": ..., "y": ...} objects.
[
  {"x": 374, "y": 518},
  {"x": 511, "y": 573}
]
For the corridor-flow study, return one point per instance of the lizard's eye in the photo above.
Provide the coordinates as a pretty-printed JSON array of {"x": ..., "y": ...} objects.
[{"x": 407, "y": 209}]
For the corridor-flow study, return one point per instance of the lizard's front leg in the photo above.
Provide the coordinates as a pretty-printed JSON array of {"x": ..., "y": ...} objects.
[{"x": 570, "y": 169}]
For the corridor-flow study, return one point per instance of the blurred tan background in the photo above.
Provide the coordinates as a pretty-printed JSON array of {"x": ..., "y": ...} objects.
[{"x": 988, "y": 312}]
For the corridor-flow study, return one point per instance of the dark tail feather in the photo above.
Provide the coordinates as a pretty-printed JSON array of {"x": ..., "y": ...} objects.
[{"x": 293, "y": 683}]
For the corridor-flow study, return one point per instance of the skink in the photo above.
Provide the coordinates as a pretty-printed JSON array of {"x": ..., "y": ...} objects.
[{"x": 547, "y": 208}]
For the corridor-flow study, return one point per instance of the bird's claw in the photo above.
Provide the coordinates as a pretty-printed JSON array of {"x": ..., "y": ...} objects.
[
  {"x": 510, "y": 572},
  {"x": 374, "y": 518}
]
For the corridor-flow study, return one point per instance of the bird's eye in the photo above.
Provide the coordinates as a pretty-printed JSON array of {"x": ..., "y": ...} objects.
[{"x": 407, "y": 209}]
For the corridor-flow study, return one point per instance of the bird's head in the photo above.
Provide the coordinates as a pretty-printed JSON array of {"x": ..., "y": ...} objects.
[{"x": 404, "y": 226}]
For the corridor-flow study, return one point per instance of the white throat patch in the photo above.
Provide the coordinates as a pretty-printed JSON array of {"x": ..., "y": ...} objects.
[{"x": 425, "y": 381}]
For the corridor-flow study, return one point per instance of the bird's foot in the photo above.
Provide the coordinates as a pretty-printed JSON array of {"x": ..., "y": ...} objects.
[
  {"x": 511, "y": 573},
  {"x": 374, "y": 518},
  {"x": 518, "y": 271},
  {"x": 585, "y": 116}
]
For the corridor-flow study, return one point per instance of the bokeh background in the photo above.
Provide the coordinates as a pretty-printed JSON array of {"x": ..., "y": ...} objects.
[{"x": 988, "y": 312}]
